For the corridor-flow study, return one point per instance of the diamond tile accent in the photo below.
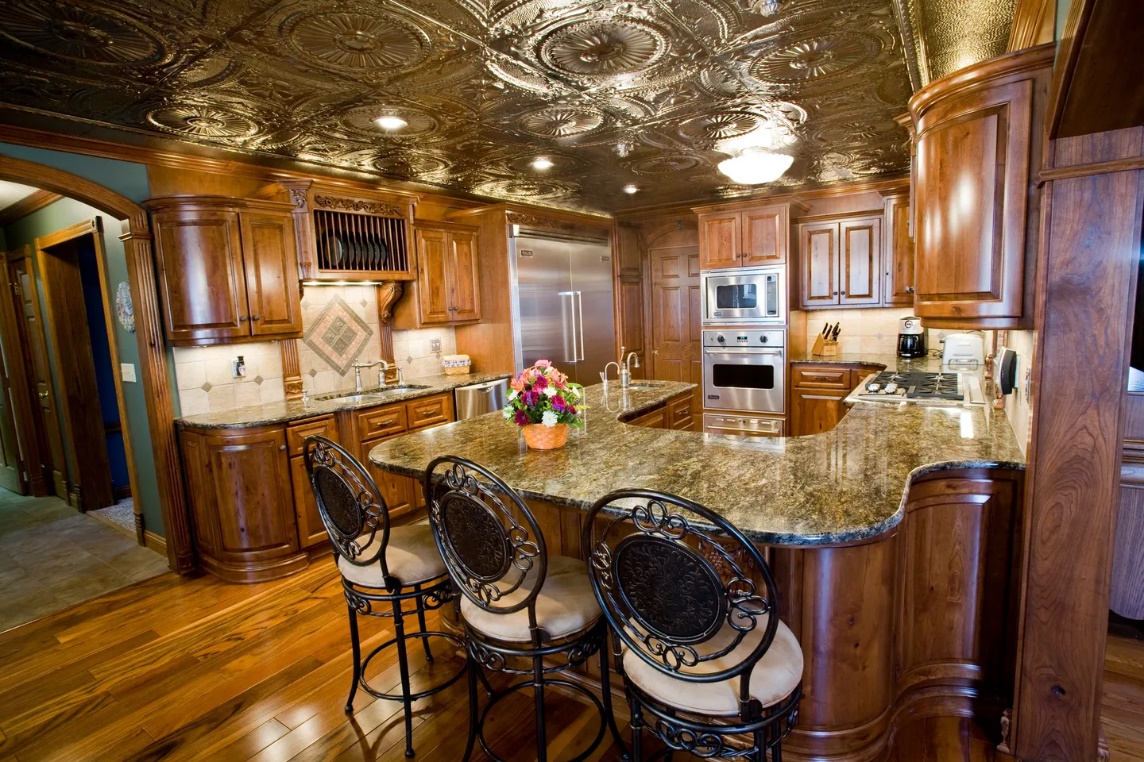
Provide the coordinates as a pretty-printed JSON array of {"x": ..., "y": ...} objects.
[
  {"x": 313, "y": 372},
  {"x": 338, "y": 335},
  {"x": 207, "y": 387},
  {"x": 258, "y": 380}
]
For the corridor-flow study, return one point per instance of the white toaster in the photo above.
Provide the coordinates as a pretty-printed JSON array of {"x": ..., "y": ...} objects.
[{"x": 963, "y": 350}]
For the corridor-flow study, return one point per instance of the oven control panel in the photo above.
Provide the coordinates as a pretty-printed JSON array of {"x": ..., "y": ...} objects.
[{"x": 755, "y": 339}]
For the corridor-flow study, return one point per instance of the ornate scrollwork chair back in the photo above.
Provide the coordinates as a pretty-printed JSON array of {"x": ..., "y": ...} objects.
[
  {"x": 681, "y": 587},
  {"x": 349, "y": 502},
  {"x": 488, "y": 537}
]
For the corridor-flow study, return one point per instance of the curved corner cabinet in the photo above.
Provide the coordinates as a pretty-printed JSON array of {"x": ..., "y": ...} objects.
[
  {"x": 228, "y": 269},
  {"x": 978, "y": 148}
]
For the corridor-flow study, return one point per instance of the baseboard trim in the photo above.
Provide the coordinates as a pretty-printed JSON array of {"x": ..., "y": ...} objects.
[{"x": 154, "y": 542}]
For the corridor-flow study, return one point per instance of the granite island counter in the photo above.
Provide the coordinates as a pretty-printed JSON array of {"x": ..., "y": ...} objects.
[{"x": 892, "y": 538}]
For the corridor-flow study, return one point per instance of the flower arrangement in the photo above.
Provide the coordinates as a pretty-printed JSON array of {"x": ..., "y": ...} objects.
[{"x": 542, "y": 397}]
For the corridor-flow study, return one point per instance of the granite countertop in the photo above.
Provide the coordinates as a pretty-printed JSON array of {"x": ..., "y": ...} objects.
[
  {"x": 286, "y": 411},
  {"x": 842, "y": 486},
  {"x": 887, "y": 361}
]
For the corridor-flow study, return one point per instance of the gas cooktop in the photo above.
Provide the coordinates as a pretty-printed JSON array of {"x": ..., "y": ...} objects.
[{"x": 921, "y": 387}]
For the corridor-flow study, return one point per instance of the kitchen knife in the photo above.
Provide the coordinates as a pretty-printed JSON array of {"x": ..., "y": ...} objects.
[
  {"x": 826, "y": 331},
  {"x": 837, "y": 330}
]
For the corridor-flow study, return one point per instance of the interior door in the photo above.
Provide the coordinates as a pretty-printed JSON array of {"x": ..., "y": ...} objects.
[
  {"x": 595, "y": 317},
  {"x": 676, "y": 303},
  {"x": 547, "y": 304},
  {"x": 11, "y": 462}
]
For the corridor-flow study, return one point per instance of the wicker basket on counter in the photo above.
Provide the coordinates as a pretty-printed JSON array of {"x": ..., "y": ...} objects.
[{"x": 456, "y": 365}]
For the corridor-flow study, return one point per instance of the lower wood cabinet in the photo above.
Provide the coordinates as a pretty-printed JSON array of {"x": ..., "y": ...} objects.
[
  {"x": 817, "y": 393},
  {"x": 253, "y": 510},
  {"x": 676, "y": 413}
]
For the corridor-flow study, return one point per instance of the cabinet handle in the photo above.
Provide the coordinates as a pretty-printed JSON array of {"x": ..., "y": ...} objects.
[
  {"x": 282, "y": 448},
  {"x": 43, "y": 395},
  {"x": 242, "y": 318},
  {"x": 909, "y": 289},
  {"x": 835, "y": 293},
  {"x": 383, "y": 425},
  {"x": 428, "y": 413},
  {"x": 255, "y": 317}
]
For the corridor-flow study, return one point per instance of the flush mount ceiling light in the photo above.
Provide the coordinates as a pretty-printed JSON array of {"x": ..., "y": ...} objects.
[
  {"x": 755, "y": 166},
  {"x": 542, "y": 163},
  {"x": 630, "y": 189},
  {"x": 391, "y": 122}
]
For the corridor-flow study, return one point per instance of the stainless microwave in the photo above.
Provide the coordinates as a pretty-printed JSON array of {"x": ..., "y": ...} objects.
[{"x": 744, "y": 295}]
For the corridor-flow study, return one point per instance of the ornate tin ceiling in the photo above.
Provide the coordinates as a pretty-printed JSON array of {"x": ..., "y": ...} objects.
[{"x": 614, "y": 93}]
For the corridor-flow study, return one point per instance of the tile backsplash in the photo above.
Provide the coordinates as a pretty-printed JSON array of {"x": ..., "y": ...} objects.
[
  {"x": 205, "y": 380},
  {"x": 866, "y": 331}
]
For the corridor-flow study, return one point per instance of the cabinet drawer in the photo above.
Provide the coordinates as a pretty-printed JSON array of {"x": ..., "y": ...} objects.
[
  {"x": 377, "y": 422},
  {"x": 296, "y": 433},
  {"x": 821, "y": 377},
  {"x": 430, "y": 411},
  {"x": 680, "y": 414},
  {"x": 656, "y": 419}
]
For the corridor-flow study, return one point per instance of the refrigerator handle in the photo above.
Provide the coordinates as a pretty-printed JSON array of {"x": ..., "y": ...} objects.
[
  {"x": 568, "y": 313},
  {"x": 580, "y": 322}
]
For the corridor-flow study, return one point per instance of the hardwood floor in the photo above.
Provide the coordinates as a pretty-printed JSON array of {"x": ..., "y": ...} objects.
[{"x": 195, "y": 669}]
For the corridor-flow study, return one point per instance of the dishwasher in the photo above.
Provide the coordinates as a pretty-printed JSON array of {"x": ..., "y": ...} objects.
[{"x": 478, "y": 399}]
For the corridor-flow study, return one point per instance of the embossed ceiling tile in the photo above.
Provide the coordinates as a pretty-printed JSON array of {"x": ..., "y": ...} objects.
[
  {"x": 523, "y": 188},
  {"x": 355, "y": 41},
  {"x": 210, "y": 122},
  {"x": 665, "y": 164},
  {"x": 92, "y": 35},
  {"x": 562, "y": 121},
  {"x": 815, "y": 58}
]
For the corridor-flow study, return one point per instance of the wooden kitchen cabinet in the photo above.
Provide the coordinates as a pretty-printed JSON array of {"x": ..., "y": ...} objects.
[
  {"x": 840, "y": 262},
  {"x": 228, "y": 269},
  {"x": 751, "y": 237},
  {"x": 817, "y": 393},
  {"x": 447, "y": 290},
  {"x": 311, "y": 530},
  {"x": 978, "y": 150},
  {"x": 677, "y": 412},
  {"x": 897, "y": 253}
]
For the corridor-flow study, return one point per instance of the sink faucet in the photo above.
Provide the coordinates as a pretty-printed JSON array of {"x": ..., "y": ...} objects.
[
  {"x": 604, "y": 375},
  {"x": 359, "y": 366},
  {"x": 626, "y": 370}
]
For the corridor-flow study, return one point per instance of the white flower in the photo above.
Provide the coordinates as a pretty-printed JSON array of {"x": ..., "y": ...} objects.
[
  {"x": 513, "y": 395},
  {"x": 550, "y": 391},
  {"x": 549, "y": 418},
  {"x": 508, "y": 413}
]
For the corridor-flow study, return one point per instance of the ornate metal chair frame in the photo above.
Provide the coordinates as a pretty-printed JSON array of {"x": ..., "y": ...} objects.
[
  {"x": 723, "y": 593},
  {"x": 491, "y": 543},
  {"x": 360, "y": 534}
]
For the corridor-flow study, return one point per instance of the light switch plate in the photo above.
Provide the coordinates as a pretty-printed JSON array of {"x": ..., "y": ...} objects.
[
  {"x": 434, "y": 345},
  {"x": 127, "y": 371}
]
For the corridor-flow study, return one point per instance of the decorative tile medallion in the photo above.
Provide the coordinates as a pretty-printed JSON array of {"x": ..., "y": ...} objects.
[{"x": 338, "y": 336}]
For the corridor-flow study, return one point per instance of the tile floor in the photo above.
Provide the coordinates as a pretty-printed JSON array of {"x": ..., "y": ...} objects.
[{"x": 52, "y": 557}]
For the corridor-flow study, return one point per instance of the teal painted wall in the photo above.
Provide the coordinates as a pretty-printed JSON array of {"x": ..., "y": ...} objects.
[{"x": 128, "y": 179}]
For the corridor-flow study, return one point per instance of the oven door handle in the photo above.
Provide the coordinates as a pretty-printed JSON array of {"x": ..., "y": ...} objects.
[{"x": 743, "y": 351}]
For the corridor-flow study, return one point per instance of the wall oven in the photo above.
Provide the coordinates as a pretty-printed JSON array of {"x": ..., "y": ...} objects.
[
  {"x": 744, "y": 295},
  {"x": 744, "y": 370}
]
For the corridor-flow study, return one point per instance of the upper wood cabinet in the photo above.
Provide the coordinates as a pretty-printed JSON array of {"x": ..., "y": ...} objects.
[
  {"x": 228, "y": 269},
  {"x": 898, "y": 253},
  {"x": 751, "y": 237},
  {"x": 447, "y": 289},
  {"x": 978, "y": 148},
  {"x": 840, "y": 262}
]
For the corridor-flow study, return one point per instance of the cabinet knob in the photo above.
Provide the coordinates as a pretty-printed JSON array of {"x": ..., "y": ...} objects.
[
  {"x": 282, "y": 448},
  {"x": 909, "y": 289},
  {"x": 835, "y": 293},
  {"x": 255, "y": 318},
  {"x": 242, "y": 318}
]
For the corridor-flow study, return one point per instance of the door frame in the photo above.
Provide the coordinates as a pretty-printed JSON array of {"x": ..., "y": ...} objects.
[
  {"x": 154, "y": 368},
  {"x": 94, "y": 228}
]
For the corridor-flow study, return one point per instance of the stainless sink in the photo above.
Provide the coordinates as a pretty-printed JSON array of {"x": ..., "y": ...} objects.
[
  {"x": 377, "y": 391},
  {"x": 647, "y": 385}
]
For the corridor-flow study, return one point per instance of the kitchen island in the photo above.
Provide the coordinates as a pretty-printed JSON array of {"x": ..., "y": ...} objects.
[{"x": 892, "y": 537}]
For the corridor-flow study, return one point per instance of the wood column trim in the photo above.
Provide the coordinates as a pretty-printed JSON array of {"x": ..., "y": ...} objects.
[
  {"x": 31, "y": 203},
  {"x": 387, "y": 295},
  {"x": 154, "y": 371},
  {"x": 291, "y": 369}
]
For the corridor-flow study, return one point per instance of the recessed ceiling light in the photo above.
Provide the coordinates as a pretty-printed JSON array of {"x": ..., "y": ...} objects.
[
  {"x": 630, "y": 189},
  {"x": 542, "y": 163},
  {"x": 754, "y": 166},
  {"x": 391, "y": 122}
]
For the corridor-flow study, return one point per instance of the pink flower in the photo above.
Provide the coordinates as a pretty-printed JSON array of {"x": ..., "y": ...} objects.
[
  {"x": 571, "y": 410},
  {"x": 558, "y": 403},
  {"x": 541, "y": 382},
  {"x": 521, "y": 418},
  {"x": 517, "y": 384},
  {"x": 543, "y": 364}
]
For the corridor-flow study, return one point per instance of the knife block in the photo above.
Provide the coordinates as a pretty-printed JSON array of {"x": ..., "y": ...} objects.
[
  {"x": 819, "y": 346},
  {"x": 829, "y": 348}
]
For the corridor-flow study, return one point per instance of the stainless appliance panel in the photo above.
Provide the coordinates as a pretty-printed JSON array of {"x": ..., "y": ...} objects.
[
  {"x": 743, "y": 425},
  {"x": 545, "y": 301},
  {"x": 478, "y": 399},
  {"x": 595, "y": 314},
  {"x": 754, "y": 295},
  {"x": 745, "y": 370}
]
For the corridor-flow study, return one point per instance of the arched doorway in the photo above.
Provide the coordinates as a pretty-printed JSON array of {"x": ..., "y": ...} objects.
[{"x": 153, "y": 370}]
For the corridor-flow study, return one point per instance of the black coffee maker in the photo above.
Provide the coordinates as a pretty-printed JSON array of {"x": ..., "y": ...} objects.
[{"x": 911, "y": 337}]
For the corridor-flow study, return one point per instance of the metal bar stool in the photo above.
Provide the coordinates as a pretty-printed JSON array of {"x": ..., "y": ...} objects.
[
  {"x": 707, "y": 666},
  {"x": 520, "y": 605},
  {"x": 379, "y": 564}
]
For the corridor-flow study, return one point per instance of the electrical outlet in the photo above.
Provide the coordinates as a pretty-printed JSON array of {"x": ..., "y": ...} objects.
[
  {"x": 434, "y": 345},
  {"x": 127, "y": 372}
]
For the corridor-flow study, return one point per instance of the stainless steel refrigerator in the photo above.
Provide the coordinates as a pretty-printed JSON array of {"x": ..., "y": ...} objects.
[{"x": 562, "y": 303}]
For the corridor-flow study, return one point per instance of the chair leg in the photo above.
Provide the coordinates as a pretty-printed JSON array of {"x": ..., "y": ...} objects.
[
  {"x": 356, "y": 645},
  {"x": 473, "y": 719},
  {"x": 777, "y": 752},
  {"x": 637, "y": 728},
  {"x": 421, "y": 622},
  {"x": 403, "y": 663},
  {"x": 538, "y": 692},
  {"x": 606, "y": 690}
]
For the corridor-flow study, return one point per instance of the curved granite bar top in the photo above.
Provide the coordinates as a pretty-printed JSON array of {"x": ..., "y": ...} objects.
[
  {"x": 842, "y": 486},
  {"x": 295, "y": 410}
]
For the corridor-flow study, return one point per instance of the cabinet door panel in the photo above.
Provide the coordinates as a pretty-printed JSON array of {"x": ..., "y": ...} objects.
[
  {"x": 464, "y": 285},
  {"x": 765, "y": 234},
  {"x": 433, "y": 254},
  {"x": 860, "y": 263},
  {"x": 973, "y": 179},
  {"x": 201, "y": 277},
  {"x": 396, "y": 490},
  {"x": 815, "y": 411},
  {"x": 430, "y": 411},
  {"x": 818, "y": 254},
  {"x": 719, "y": 237},
  {"x": 271, "y": 264},
  {"x": 898, "y": 253},
  {"x": 311, "y": 530}
]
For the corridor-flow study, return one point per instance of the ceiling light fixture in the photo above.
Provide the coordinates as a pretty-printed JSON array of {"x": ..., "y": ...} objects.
[
  {"x": 542, "y": 163},
  {"x": 391, "y": 122},
  {"x": 755, "y": 166},
  {"x": 630, "y": 189}
]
